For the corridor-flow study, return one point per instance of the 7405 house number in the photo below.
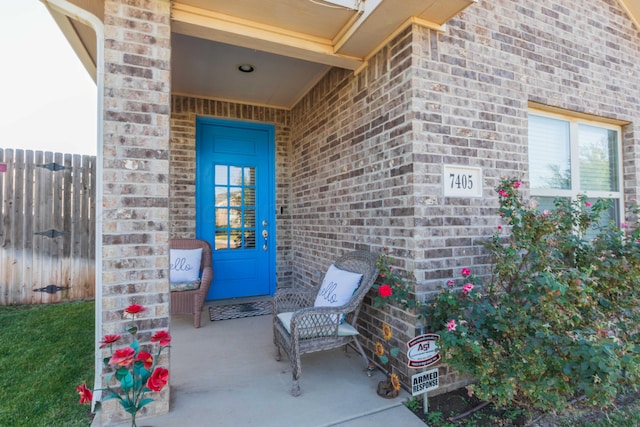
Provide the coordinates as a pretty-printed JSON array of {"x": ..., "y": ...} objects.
[{"x": 462, "y": 181}]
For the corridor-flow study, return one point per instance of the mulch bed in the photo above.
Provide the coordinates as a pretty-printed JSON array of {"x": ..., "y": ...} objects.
[
  {"x": 457, "y": 408},
  {"x": 448, "y": 409}
]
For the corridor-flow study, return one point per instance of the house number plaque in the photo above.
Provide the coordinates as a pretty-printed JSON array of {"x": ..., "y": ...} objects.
[{"x": 462, "y": 181}]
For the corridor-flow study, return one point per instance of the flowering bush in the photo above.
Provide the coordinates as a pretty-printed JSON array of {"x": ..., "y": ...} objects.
[
  {"x": 135, "y": 369},
  {"x": 393, "y": 286},
  {"x": 558, "y": 319}
]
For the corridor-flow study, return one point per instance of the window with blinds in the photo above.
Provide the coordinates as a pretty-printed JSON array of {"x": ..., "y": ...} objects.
[{"x": 570, "y": 156}]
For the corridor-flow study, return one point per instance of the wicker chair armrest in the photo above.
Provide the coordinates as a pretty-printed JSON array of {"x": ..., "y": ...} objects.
[
  {"x": 207, "y": 275},
  {"x": 289, "y": 299}
]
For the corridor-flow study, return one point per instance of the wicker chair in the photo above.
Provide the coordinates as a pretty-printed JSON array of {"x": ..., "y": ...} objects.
[
  {"x": 191, "y": 302},
  {"x": 320, "y": 328}
]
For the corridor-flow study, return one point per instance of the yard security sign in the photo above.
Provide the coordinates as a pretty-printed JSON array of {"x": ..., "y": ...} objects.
[
  {"x": 423, "y": 351},
  {"x": 424, "y": 381}
]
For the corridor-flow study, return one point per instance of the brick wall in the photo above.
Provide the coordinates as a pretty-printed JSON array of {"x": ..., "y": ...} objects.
[
  {"x": 135, "y": 211},
  {"x": 352, "y": 176},
  {"x": 182, "y": 203},
  {"x": 476, "y": 81},
  {"x": 351, "y": 163}
]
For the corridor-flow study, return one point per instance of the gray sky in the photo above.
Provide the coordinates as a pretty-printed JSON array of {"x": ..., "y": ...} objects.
[{"x": 47, "y": 98}]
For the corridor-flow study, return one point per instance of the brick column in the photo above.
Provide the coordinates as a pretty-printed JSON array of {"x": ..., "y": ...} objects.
[{"x": 135, "y": 184}]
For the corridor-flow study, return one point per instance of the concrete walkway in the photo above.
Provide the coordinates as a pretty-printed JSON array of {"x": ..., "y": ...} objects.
[{"x": 224, "y": 374}]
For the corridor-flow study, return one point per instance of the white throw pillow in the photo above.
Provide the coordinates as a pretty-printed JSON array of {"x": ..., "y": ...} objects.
[
  {"x": 184, "y": 265},
  {"x": 337, "y": 287}
]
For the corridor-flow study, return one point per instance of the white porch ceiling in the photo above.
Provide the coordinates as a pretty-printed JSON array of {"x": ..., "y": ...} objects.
[
  {"x": 291, "y": 43},
  {"x": 210, "y": 69}
]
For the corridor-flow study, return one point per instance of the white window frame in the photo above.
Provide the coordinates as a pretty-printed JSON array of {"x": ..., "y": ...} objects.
[{"x": 575, "y": 164}]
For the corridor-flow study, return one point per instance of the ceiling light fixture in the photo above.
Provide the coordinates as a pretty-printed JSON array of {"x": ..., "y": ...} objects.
[{"x": 246, "y": 68}]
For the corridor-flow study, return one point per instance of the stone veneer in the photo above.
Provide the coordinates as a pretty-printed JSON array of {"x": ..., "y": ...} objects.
[
  {"x": 135, "y": 180},
  {"x": 359, "y": 159}
]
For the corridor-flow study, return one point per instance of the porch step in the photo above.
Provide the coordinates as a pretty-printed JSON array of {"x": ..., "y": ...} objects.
[{"x": 239, "y": 307}]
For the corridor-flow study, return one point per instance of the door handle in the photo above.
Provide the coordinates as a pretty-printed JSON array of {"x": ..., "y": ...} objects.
[{"x": 265, "y": 235}]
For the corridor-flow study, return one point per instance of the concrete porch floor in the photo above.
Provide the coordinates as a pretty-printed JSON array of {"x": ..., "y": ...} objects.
[{"x": 225, "y": 374}]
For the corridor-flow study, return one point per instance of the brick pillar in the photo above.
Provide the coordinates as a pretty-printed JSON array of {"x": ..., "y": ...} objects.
[{"x": 135, "y": 210}]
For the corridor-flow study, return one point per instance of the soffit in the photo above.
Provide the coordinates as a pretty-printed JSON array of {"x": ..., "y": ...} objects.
[
  {"x": 341, "y": 33},
  {"x": 291, "y": 43},
  {"x": 633, "y": 10}
]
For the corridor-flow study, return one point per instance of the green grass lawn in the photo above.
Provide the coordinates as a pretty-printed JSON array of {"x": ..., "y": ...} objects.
[{"x": 45, "y": 352}]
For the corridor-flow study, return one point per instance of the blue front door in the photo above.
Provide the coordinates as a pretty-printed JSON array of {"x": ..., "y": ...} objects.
[{"x": 235, "y": 208}]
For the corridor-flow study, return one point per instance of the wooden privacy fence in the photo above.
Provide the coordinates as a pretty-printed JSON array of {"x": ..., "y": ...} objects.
[{"x": 47, "y": 227}]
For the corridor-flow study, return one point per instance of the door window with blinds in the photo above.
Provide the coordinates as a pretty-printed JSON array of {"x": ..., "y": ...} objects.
[
  {"x": 571, "y": 156},
  {"x": 235, "y": 190}
]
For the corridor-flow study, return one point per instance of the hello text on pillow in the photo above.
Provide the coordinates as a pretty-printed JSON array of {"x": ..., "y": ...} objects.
[
  {"x": 184, "y": 265},
  {"x": 337, "y": 287}
]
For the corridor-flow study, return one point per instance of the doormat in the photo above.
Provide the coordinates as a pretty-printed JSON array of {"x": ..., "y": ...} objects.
[{"x": 237, "y": 309}]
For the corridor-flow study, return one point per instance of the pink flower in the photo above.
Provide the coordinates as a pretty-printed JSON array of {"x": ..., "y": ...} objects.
[
  {"x": 623, "y": 224},
  {"x": 503, "y": 193},
  {"x": 467, "y": 288},
  {"x": 517, "y": 184},
  {"x": 450, "y": 283},
  {"x": 466, "y": 272},
  {"x": 451, "y": 325},
  {"x": 587, "y": 204},
  {"x": 499, "y": 228},
  {"x": 162, "y": 337},
  {"x": 546, "y": 213}
]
